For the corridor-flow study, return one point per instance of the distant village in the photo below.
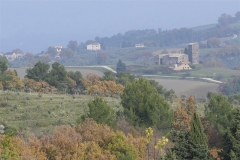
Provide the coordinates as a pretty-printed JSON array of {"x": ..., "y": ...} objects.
[
  {"x": 18, "y": 55},
  {"x": 176, "y": 61}
]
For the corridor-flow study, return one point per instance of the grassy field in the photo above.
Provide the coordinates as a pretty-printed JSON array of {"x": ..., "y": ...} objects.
[
  {"x": 211, "y": 72},
  {"x": 39, "y": 114},
  {"x": 188, "y": 87},
  {"x": 30, "y": 113},
  {"x": 169, "y": 50},
  {"x": 85, "y": 71},
  {"x": 204, "y": 51},
  {"x": 214, "y": 73},
  {"x": 22, "y": 71},
  {"x": 199, "y": 28}
]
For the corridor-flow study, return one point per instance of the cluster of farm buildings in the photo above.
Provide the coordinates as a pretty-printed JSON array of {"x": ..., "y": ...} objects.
[
  {"x": 179, "y": 61},
  {"x": 12, "y": 56},
  {"x": 176, "y": 61}
]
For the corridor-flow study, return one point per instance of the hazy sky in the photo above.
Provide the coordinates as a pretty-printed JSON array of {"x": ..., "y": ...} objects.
[{"x": 34, "y": 25}]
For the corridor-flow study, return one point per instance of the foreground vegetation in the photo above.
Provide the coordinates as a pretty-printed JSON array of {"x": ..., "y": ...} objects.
[
  {"x": 56, "y": 114},
  {"x": 41, "y": 113}
]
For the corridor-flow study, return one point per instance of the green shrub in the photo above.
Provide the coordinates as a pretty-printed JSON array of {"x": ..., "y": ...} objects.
[
  {"x": 42, "y": 124},
  {"x": 3, "y": 104}
]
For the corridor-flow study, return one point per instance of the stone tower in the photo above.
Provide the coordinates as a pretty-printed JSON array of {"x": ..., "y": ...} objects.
[{"x": 193, "y": 53}]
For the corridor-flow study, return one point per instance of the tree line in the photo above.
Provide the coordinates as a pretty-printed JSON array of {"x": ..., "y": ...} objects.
[{"x": 153, "y": 38}]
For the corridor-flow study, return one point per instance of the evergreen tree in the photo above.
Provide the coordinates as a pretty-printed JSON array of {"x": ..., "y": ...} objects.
[
  {"x": 167, "y": 94},
  {"x": 231, "y": 140},
  {"x": 101, "y": 112},
  {"x": 3, "y": 65},
  {"x": 181, "y": 144},
  {"x": 219, "y": 112},
  {"x": 233, "y": 156},
  {"x": 57, "y": 77},
  {"x": 3, "y": 68},
  {"x": 38, "y": 72},
  {"x": 108, "y": 76},
  {"x": 191, "y": 145},
  {"x": 196, "y": 134},
  {"x": 197, "y": 140},
  {"x": 144, "y": 106},
  {"x": 170, "y": 155},
  {"x": 76, "y": 76},
  {"x": 121, "y": 67},
  {"x": 124, "y": 77}
]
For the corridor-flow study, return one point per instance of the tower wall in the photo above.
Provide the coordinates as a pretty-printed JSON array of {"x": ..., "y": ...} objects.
[{"x": 193, "y": 53}]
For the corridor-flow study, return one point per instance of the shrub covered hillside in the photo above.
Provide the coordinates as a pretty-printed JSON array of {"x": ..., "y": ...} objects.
[{"x": 55, "y": 114}]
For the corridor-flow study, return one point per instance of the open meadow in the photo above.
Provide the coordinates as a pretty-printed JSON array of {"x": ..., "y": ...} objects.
[
  {"x": 188, "y": 87},
  {"x": 22, "y": 71},
  {"x": 212, "y": 72},
  {"x": 40, "y": 113}
]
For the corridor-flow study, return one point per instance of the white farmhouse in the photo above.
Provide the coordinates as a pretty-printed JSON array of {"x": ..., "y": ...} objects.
[
  {"x": 94, "y": 46},
  {"x": 181, "y": 66},
  {"x": 139, "y": 45},
  {"x": 58, "y": 48},
  {"x": 11, "y": 56}
]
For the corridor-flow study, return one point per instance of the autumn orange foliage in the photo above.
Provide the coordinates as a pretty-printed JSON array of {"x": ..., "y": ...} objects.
[
  {"x": 92, "y": 83},
  {"x": 40, "y": 86},
  {"x": 215, "y": 153},
  {"x": 183, "y": 114},
  {"x": 16, "y": 148},
  {"x": 88, "y": 140},
  {"x": 13, "y": 82}
]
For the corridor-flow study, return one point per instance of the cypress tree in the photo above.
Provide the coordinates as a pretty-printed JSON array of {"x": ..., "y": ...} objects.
[
  {"x": 181, "y": 144},
  {"x": 121, "y": 67},
  {"x": 193, "y": 144},
  {"x": 233, "y": 155},
  {"x": 170, "y": 155},
  {"x": 231, "y": 140},
  {"x": 196, "y": 134},
  {"x": 198, "y": 140}
]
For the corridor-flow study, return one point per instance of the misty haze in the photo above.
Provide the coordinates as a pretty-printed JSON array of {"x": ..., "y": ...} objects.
[{"x": 119, "y": 80}]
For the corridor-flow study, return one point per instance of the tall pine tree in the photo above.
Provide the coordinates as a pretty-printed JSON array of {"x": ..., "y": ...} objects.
[
  {"x": 191, "y": 145},
  {"x": 231, "y": 140},
  {"x": 143, "y": 106},
  {"x": 197, "y": 140},
  {"x": 121, "y": 67}
]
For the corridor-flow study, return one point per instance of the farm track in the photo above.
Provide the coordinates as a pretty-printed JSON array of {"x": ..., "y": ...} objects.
[{"x": 105, "y": 67}]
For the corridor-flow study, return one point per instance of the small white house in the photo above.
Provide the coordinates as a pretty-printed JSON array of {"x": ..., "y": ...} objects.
[
  {"x": 11, "y": 56},
  {"x": 58, "y": 56},
  {"x": 94, "y": 46},
  {"x": 58, "y": 48},
  {"x": 139, "y": 45},
  {"x": 181, "y": 66}
]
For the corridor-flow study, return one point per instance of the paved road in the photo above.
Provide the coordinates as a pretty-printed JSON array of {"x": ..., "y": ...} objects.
[{"x": 105, "y": 67}]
